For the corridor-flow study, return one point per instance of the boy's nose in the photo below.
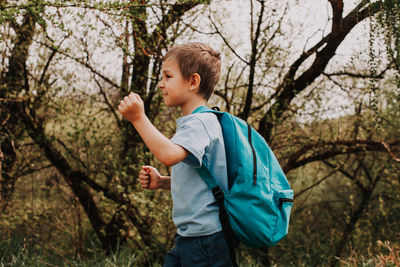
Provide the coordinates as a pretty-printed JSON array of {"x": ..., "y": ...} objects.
[{"x": 160, "y": 84}]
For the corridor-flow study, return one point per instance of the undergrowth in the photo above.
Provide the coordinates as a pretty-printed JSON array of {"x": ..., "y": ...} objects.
[{"x": 17, "y": 252}]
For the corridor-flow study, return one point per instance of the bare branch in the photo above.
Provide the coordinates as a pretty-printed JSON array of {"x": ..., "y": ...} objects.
[
  {"x": 389, "y": 150},
  {"x": 224, "y": 96},
  {"x": 81, "y": 62},
  {"x": 352, "y": 177},
  {"x": 298, "y": 194},
  {"x": 358, "y": 75},
  {"x": 30, "y": 171},
  {"x": 54, "y": 52},
  {"x": 325, "y": 150},
  {"x": 77, "y": 158},
  {"x": 110, "y": 106},
  {"x": 226, "y": 42}
]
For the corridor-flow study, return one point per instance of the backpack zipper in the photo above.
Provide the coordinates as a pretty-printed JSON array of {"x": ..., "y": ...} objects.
[
  {"x": 284, "y": 200},
  {"x": 254, "y": 156}
]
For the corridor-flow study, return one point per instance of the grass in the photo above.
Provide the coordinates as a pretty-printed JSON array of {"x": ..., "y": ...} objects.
[
  {"x": 17, "y": 253},
  {"x": 389, "y": 257}
]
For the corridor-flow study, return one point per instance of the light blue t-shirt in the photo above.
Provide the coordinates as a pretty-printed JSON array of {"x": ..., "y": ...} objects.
[{"x": 195, "y": 211}]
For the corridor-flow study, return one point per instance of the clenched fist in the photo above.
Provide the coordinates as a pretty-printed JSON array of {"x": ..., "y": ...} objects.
[
  {"x": 131, "y": 107},
  {"x": 149, "y": 178}
]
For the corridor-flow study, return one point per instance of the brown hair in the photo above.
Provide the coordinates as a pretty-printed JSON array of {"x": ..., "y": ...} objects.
[{"x": 198, "y": 58}]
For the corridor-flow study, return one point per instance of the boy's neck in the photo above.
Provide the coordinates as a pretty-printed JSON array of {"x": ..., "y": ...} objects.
[{"x": 189, "y": 107}]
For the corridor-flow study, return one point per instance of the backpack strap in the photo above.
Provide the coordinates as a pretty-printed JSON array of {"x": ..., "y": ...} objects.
[
  {"x": 203, "y": 171},
  {"x": 207, "y": 176},
  {"x": 231, "y": 240},
  {"x": 203, "y": 109}
]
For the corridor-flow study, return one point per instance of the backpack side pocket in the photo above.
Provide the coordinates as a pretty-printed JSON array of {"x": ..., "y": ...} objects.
[{"x": 284, "y": 203}]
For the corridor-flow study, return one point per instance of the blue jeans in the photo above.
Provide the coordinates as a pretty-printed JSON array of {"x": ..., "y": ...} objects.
[{"x": 207, "y": 251}]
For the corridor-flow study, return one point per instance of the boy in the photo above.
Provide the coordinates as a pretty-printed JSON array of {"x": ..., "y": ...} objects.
[{"x": 189, "y": 75}]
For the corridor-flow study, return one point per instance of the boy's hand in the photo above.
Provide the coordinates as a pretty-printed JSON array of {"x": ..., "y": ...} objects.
[
  {"x": 131, "y": 107},
  {"x": 150, "y": 178}
]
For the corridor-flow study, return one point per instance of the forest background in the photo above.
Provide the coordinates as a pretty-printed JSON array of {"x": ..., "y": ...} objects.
[{"x": 318, "y": 79}]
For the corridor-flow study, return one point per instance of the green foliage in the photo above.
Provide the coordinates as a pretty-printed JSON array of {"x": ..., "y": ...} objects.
[
  {"x": 18, "y": 252},
  {"x": 390, "y": 19}
]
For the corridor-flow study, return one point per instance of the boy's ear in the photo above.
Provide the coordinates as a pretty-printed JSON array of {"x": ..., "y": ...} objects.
[{"x": 195, "y": 80}]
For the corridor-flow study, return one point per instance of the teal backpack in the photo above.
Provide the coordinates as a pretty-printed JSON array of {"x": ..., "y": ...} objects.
[{"x": 256, "y": 209}]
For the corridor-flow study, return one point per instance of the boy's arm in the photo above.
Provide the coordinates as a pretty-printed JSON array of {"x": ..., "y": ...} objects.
[
  {"x": 165, "y": 182},
  {"x": 132, "y": 108}
]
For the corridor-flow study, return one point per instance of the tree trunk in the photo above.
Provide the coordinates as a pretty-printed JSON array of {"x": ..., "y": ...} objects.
[
  {"x": 351, "y": 226},
  {"x": 15, "y": 81}
]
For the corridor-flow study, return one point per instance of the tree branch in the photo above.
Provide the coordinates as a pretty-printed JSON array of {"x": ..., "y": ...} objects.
[
  {"x": 227, "y": 43},
  {"x": 85, "y": 64},
  {"x": 326, "y": 150},
  {"x": 253, "y": 60},
  {"x": 110, "y": 106},
  {"x": 389, "y": 150},
  {"x": 175, "y": 13},
  {"x": 358, "y": 75},
  {"x": 304, "y": 190}
]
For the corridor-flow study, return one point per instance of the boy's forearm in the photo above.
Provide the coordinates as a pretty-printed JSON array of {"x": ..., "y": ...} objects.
[
  {"x": 165, "y": 182},
  {"x": 161, "y": 147}
]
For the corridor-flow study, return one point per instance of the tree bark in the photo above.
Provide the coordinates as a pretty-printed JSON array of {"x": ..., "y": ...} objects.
[
  {"x": 252, "y": 64},
  {"x": 13, "y": 82}
]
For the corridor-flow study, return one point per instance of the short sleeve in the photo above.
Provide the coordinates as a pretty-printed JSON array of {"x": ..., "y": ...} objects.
[{"x": 192, "y": 136}]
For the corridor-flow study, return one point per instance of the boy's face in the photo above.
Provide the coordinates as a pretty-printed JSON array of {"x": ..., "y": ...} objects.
[{"x": 173, "y": 86}]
